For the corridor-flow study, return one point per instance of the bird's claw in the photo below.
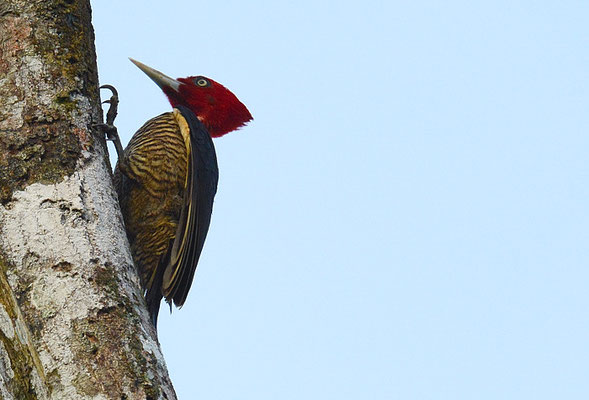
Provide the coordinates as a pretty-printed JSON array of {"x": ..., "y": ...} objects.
[
  {"x": 109, "y": 129},
  {"x": 111, "y": 114}
]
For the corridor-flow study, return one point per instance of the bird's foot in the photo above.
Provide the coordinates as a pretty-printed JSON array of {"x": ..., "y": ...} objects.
[
  {"x": 114, "y": 104},
  {"x": 109, "y": 129}
]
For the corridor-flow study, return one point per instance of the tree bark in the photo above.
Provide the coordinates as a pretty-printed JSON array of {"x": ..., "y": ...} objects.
[{"x": 73, "y": 323}]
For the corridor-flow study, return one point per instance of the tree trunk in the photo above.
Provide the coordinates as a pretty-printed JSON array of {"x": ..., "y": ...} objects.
[{"x": 73, "y": 323}]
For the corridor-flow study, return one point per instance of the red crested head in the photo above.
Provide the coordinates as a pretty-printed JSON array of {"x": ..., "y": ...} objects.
[{"x": 215, "y": 106}]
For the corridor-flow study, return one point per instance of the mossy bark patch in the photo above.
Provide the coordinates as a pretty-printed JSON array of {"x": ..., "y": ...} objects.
[
  {"x": 46, "y": 70},
  {"x": 103, "y": 346},
  {"x": 44, "y": 154}
]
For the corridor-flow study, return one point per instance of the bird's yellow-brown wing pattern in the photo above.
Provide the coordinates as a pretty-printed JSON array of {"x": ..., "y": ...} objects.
[{"x": 166, "y": 192}]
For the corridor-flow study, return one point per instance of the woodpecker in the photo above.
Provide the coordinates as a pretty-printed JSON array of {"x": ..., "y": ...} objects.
[{"x": 166, "y": 180}]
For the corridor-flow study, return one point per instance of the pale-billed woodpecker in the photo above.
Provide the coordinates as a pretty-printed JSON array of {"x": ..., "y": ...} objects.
[{"x": 166, "y": 180}]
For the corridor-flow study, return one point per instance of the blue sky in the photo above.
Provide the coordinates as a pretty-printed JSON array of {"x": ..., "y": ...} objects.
[{"x": 407, "y": 215}]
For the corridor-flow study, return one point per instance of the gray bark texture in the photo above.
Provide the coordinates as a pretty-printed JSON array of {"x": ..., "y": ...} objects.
[{"x": 73, "y": 323}]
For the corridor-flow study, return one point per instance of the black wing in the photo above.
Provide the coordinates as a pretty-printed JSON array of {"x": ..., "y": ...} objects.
[{"x": 195, "y": 217}]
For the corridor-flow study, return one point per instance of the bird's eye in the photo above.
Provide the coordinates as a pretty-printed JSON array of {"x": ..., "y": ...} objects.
[{"x": 202, "y": 82}]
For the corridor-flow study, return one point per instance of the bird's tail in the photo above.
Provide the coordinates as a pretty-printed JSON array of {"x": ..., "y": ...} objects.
[
  {"x": 153, "y": 295},
  {"x": 153, "y": 298}
]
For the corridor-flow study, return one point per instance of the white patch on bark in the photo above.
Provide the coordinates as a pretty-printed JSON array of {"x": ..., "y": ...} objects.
[
  {"x": 6, "y": 325},
  {"x": 21, "y": 332},
  {"x": 6, "y": 373},
  {"x": 12, "y": 119}
]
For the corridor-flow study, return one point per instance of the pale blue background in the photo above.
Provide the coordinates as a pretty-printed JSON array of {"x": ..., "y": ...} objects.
[{"x": 407, "y": 215}]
